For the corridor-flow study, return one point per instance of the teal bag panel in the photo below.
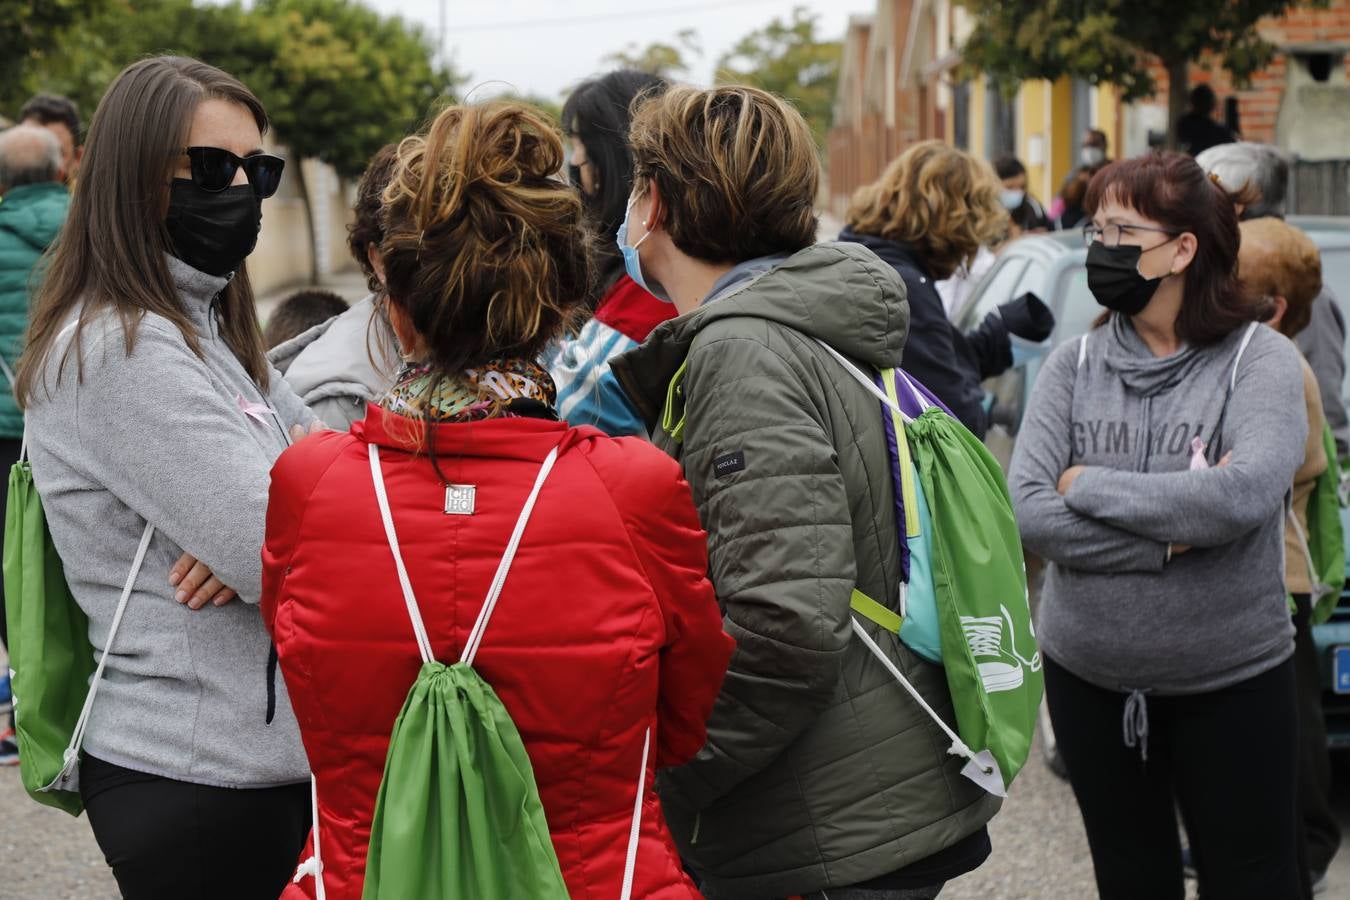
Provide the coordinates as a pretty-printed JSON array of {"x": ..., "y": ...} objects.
[{"x": 922, "y": 630}]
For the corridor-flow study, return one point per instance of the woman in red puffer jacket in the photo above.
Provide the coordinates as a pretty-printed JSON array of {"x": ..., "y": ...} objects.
[{"x": 607, "y": 628}]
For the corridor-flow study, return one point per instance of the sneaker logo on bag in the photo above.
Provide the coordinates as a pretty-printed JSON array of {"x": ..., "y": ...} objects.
[
  {"x": 459, "y": 499},
  {"x": 1000, "y": 670},
  {"x": 728, "y": 463}
]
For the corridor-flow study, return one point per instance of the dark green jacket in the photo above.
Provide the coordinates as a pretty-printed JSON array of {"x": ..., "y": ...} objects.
[
  {"x": 30, "y": 217},
  {"x": 819, "y": 770}
]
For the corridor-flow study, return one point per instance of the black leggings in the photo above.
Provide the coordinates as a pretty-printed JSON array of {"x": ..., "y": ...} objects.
[
  {"x": 1226, "y": 758},
  {"x": 167, "y": 839}
]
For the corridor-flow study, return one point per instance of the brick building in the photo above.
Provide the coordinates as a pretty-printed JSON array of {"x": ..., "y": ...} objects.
[{"x": 896, "y": 87}]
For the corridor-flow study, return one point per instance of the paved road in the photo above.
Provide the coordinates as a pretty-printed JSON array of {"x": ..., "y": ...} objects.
[{"x": 1039, "y": 848}]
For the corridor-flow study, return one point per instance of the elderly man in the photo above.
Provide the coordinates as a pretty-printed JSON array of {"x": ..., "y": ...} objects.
[
  {"x": 1262, "y": 169},
  {"x": 33, "y": 204},
  {"x": 61, "y": 117}
]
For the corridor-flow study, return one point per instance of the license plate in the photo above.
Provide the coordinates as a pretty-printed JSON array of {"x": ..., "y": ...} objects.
[{"x": 1341, "y": 670}]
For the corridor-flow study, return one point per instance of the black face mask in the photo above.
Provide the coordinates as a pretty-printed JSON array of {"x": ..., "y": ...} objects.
[
  {"x": 213, "y": 232},
  {"x": 1114, "y": 279}
]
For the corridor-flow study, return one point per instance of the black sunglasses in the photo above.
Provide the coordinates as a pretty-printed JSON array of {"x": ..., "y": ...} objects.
[{"x": 214, "y": 168}]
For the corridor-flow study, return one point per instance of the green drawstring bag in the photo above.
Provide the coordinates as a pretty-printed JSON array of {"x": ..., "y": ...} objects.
[
  {"x": 458, "y": 814},
  {"x": 49, "y": 649},
  {"x": 55, "y": 679},
  {"x": 1325, "y": 542},
  {"x": 989, "y": 648},
  {"x": 978, "y": 586}
]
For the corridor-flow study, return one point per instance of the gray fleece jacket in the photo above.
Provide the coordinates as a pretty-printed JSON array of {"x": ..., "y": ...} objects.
[
  {"x": 1323, "y": 346},
  {"x": 159, "y": 435},
  {"x": 1113, "y": 611},
  {"x": 339, "y": 366}
]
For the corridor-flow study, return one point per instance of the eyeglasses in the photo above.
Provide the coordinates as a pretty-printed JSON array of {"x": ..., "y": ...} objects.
[
  {"x": 1110, "y": 235},
  {"x": 214, "y": 168}
]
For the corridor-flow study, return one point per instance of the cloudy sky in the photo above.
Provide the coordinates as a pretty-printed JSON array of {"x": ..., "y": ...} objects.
[{"x": 543, "y": 46}]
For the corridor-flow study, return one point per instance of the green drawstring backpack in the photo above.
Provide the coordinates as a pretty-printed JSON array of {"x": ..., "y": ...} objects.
[
  {"x": 1323, "y": 544},
  {"x": 458, "y": 815},
  {"x": 54, "y": 676},
  {"x": 978, "y": 587}
]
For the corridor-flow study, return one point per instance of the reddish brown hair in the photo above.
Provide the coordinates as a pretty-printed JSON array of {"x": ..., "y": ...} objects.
[{"x": 1173, "y": 191}]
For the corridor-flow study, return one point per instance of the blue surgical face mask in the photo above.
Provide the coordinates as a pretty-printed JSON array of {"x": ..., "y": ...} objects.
[{"x": 631, "y": 263}]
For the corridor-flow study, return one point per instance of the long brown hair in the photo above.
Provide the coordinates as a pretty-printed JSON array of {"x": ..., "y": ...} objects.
[
  {"x": 111, "y": 251},
  {"x": 1172, "y": 190}
]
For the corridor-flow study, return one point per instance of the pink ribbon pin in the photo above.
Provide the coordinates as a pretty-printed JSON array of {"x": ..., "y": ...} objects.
[{"x": 256, "y": 411}]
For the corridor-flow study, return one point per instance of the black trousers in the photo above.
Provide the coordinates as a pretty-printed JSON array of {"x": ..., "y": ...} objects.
[
  {"x": 1321, "y": 831},
  {"x": 9, "y": 455},
  {"x": 167, "y": 839},
  {"x": 1227, "y": 759}
]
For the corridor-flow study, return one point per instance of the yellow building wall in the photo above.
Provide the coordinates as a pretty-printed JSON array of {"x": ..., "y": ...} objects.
[
  {"x": 1060, "y": 135},
  {"x": 1108, "y": 118},
  {"x": 1033, "y": 117},
  {"x": 976, "y": 130}
]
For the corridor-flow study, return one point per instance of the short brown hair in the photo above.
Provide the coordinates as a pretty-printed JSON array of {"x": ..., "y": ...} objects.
[
  {"x": 940, "y": 200},
  {"x": 1172, "y": 190},
  {"x": 484, "y": 248},
  {"x": 300, "y": 312},
  {"x": 736, "y": 168},
  {"x": 367, "y": 225},
  {"x": 1277, "y": 259}
]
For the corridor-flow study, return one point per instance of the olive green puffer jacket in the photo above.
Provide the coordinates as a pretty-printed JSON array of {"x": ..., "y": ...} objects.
[
  {"x": 30, "y": 217},
  {"x": 819, "y": 771}
]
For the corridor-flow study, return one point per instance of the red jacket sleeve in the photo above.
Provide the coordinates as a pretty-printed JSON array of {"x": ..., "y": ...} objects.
[
  {"x": 294, "y": 476},
  {"x": 672, "y": 548}
]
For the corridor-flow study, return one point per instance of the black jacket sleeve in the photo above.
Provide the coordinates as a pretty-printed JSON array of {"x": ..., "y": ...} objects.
[{"x": 941, "y": 358}]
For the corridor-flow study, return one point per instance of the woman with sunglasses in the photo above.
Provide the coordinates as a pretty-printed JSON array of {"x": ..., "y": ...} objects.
[
  {"x": 150, "y": 405},
  {"x": 1152, "y": 472}
]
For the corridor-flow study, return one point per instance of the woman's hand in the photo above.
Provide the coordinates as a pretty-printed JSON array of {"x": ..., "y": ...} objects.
[
  {"x": 300, "y": 432},
  {"x": 1068, "y": 478},
  {"x": 196, "y": 585}
]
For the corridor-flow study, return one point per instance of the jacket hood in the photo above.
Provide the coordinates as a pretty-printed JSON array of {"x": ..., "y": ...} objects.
[
  {"x": 1130, "y": 358},
  {"x": 34, "y": 213},
  {"x": 839, "y": 293},
  {"x": 334, "y": 358},
  {"x": 898, "y": 253}
]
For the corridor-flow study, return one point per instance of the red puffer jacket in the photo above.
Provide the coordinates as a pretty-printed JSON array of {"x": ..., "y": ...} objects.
[{"x": 607, "y": 625}]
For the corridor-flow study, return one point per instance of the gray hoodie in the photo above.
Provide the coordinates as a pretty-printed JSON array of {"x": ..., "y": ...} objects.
[
  {"x": 1323, "y": 346},
  {"x": 339, "y": 366},
  {"x": 159, "y": 435},
  {"x": 1113, "y": 611}
]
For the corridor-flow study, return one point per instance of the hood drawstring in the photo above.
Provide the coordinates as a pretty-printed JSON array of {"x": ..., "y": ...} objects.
[
  {"x": 271, "y": 683},
  {"x": 1136, "y": 722}
]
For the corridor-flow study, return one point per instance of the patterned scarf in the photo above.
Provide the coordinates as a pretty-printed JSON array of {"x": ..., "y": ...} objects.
[{"x": 484, "y": 392}]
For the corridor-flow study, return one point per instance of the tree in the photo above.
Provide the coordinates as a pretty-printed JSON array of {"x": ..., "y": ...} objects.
[
  {"x": 789, "y": 59},
  {"x": 658, "y": 58},
  {"x": 33, "y": 32},
  {"x": 552, "y": 109},
  {"x": 1111, "y": 41}
]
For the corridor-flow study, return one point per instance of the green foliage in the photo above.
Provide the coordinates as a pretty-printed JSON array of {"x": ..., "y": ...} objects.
[
  {"x": 1111, "y": 40},
  {"x": 550, "y": 108},
  {"x": 344, "y": 80},
  {"x": 659, "y": 58},
  {"x": 34, "y": 33},
  {"x": 789, "y": 59},
  {"x": 338, "y": 79}
]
